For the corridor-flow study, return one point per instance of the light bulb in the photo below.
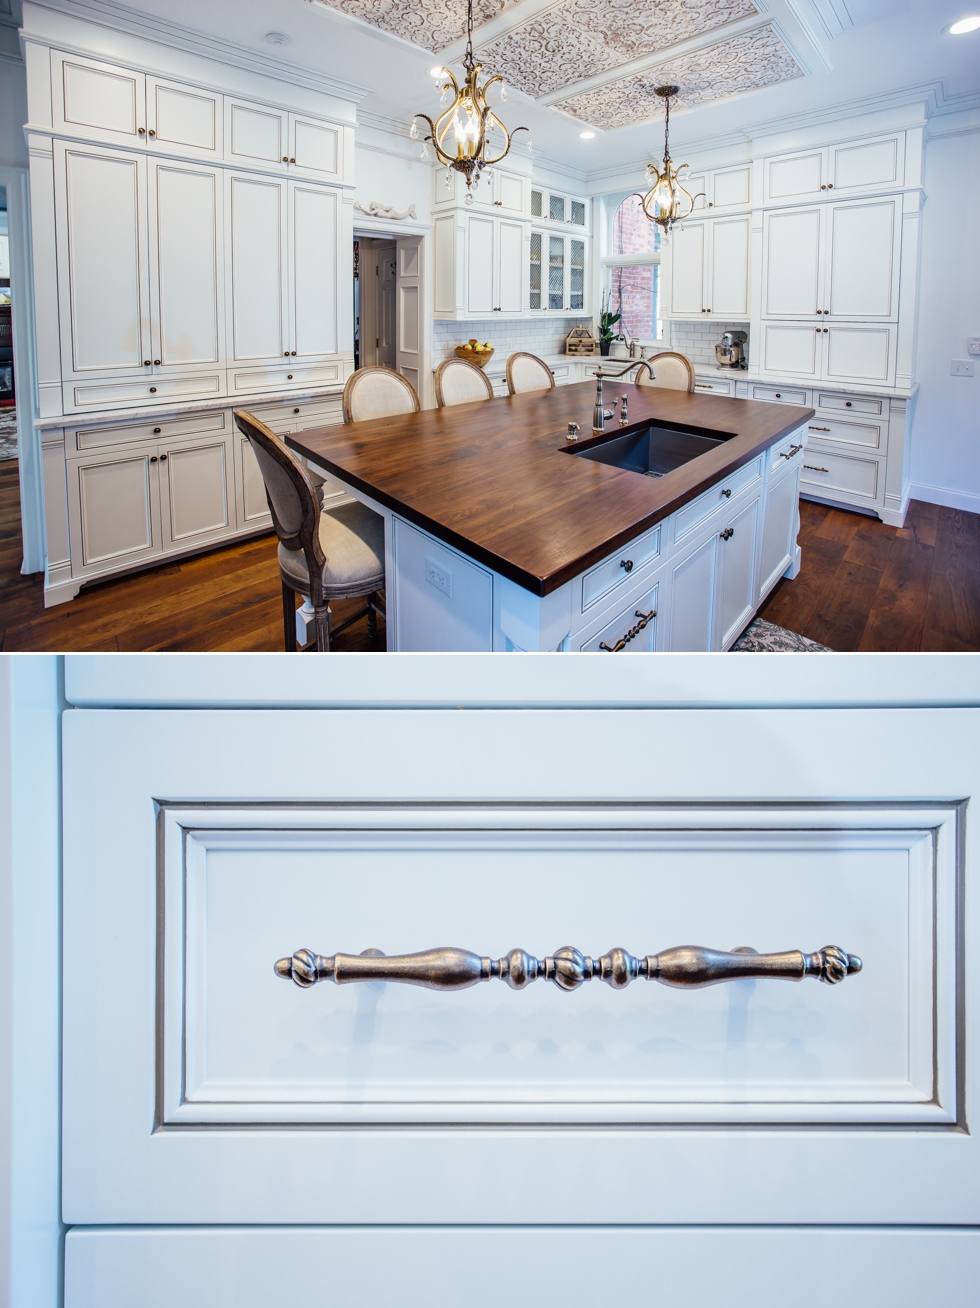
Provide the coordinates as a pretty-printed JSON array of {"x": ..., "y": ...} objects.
[
  {"x": 438, "y": 72},
  {"x": 965, "y": 25},
  {"x": 663, "y": 196}
]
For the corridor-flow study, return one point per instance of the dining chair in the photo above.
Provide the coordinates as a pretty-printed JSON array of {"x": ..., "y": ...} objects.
[
  {"x": 675, "y": 372},
  {"x": 378, "y": 392},
  {"x": 526, "y": 372},
  {"x": 459, "y": 382},
  {"x": 323, "y": 555}
]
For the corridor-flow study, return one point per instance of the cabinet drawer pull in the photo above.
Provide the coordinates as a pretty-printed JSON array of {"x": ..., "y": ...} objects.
[
  {"x": 157, "y": 431},
  {"x": 295, "y": 410},
  {"x": 812, "y": 428},
  {"x": 633, "y": 631},
  {"x": 289, "y": 376},
  {"x": 153, "y": 390},
  {"x": 810, "y": 468},
  {"x": 727, "y": 493},
  {"x": 793, "y": 449},
  {"x": 728, "y": 533},
  {"x": 626, "y": 564},
  {"x": 686, "y": 967}
]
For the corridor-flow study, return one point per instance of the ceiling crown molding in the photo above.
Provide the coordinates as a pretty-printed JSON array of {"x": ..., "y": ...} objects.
[{"x": 118, "y": 17}]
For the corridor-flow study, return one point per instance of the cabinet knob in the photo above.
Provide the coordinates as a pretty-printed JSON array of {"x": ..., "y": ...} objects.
[
  {"x": 626, "y": 565},
  {"x": 847, "y": 404},
  {"x": 292, "y": 351},
  {"x": 157, "y": 430},
  {"x": 153, "y": 390},
  {"x": 163, "y": 458},
  {"x": 711, "y": 204},
  {"x": 141, "y": 131},
  {"x": 295, "y": 410},
  {"x": 146, "y": 363},
  {"x": 285, "y": 354},
  {"x": 499, "y": 203},
  {"x": 292, "y": 161},
  {"x": 728, "y": 533},
  {"x": 779, "y": 395},
  {"x": 824, "y": 330},
  {"x": 156, "y": 363},
  {"x": 822, "y": 187},
  {"x": 151, "y": 132},
  {"x": 153, "y": 458},
  {"x": 285, "y": 158},
  {"x": 830, "y": 186},
  {"x": 727, "y": 494},
  {"x": 289, "y": 376}
]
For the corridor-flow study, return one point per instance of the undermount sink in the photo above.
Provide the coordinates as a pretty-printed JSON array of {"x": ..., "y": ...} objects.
[{"x": 652, "y": 451}]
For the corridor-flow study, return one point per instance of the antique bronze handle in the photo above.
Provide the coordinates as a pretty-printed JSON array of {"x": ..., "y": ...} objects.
[
  {"x": 456, "y": 969},
  {"x": 631, "y": 634}
]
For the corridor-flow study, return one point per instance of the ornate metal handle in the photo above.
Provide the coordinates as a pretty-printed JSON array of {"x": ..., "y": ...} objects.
[
  {"x": 456, "y": 969},
  {"x": 631, "y": 634},
  {"x": 795, "y": 449},
  {"x": 810, "y": 468}
]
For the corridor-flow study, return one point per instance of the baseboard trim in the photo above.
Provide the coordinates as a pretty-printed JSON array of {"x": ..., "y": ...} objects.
[{"x": 949, "y": 499}]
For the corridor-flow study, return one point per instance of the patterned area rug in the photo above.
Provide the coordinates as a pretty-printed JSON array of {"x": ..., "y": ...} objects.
[
  {"x": 8, "y": 433},
  {"x": 761, "y": 637}
]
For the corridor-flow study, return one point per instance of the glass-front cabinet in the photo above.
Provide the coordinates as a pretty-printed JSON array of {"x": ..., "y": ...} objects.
[
  {"x": 558, "y": 272},
  {"x": 553, "y": 207}
]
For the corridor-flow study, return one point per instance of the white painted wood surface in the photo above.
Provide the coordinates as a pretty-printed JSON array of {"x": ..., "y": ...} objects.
[{"x": 865, "y": 1043}]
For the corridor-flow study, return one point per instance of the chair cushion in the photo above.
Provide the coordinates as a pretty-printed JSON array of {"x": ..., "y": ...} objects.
[{"x": 353, "y": 540}]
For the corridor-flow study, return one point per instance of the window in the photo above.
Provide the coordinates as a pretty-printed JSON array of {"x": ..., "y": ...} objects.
[{"x": 632, "y": 271}]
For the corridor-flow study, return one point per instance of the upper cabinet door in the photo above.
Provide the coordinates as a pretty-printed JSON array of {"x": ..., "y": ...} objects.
[
  {"x": 102, "y": 261},
  {"x": 98, "y": 101},
  {"x": 256, "y": 134},
  {"x": 868, "y": 165},
  {"x": 257, "y": 270},
  {"x": 863, "y": 259},
  {"x": 731, "y": 188},
  {"x": 687, "y": 270},
  {"x": 479, "y": 265},
  {"x": 792, "y": 263},
  {"x": 313, "y": 226},
  {"x": 793, "y": 178},
  {"x": 183, "y": 119},
  {"x": 316, "y": 147},
  {"x": 729, "y": 252},
  {"x": 510, "y": 268},
  {"x": 187, "y": 277},
  {"x": 508, "y": 192}
]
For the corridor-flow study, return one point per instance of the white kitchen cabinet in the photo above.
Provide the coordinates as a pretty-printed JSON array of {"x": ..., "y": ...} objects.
[
  {"x": 558, "y": 272},
  {"x": 252, "y": 504},
  {"x": 709, "y": 268},
  {"x": 554, "y": 207},
  {"x": 830, "y": 473},
  {"x": 441, "y": 599},
  {"x": 313, "y": 215},
  {"x": 494, "y": 268},
  {"x": 258, "y": 271},
  {"x": 720, "y": 188},
  {"x": 96, "y": 100},
  {"x": 833, "y": 260},
  {"x": 849, "y": 167},
  {"x": 498, "y": 191},
  {"x": 197, "y": 491},
  {"x": 738, "y": 550},
  {"x": 841, "y": 352},
  {"x": 186, "y": 120},
  {"x": 256, "y": 134},
  {"x": 781, "y": 515},
  {"x": 636, "y": 629},
  {"x": 114, "y": 509}
]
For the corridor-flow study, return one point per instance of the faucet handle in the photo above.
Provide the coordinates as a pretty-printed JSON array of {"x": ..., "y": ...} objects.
[{"x": 572, "y": 432}]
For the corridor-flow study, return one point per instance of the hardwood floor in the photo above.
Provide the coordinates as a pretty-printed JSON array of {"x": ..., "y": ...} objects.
[
  {"x": 862, "y": 586},
  {"x": 865, "y": 586},
  {"x": 229, "y": 599}
]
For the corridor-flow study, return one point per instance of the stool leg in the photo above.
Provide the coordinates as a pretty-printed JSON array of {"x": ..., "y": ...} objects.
[
  {"x": 322, "y": 620},
  {"x": 289, "y": 618}
]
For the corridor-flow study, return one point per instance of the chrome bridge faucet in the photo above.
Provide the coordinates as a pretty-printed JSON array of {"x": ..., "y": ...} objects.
[{"x": 600, "y": 415}]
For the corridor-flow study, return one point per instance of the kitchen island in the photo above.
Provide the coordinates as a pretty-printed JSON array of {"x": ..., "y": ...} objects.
[{"x": 501, "y": 535}]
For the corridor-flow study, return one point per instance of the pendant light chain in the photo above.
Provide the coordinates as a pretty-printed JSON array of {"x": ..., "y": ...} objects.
[{"x": 667, "y": 202}]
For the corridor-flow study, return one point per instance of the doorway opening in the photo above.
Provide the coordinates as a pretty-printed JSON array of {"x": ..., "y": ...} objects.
[
  {"x": 388, "y": 305},
  {"x": 8, "y": 399}
]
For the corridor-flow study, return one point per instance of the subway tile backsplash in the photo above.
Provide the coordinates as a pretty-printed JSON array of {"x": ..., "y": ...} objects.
[
  {"x": 543, "y": 336},
  {"x": 698, "y": 339}
]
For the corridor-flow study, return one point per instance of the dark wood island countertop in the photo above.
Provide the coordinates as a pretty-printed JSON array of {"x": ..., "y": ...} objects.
[{"x": 492, "y": 478}]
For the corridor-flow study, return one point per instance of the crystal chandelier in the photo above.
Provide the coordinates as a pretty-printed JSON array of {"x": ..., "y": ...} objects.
[
  {"x": 469, "y": 119},
  {"x": 666, "y": 202}
]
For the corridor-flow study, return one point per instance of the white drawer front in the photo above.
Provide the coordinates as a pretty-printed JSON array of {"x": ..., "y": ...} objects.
[
  {"x": 620, "y": 569},
  {"x": 787, "y": 451},
  {"x": 870, "y": 435},
  {"x": 850, "y": 403},
  {"x": 823, "y": 471},
  {"x": 693, "y": 514},
  {"x": 298, "y": 415},
  {"x": 715, "y": 387},
  {"x": 93, "y": 438},
  {"x": 148, "y": 390},
  {"x": 634, "y": 631},
  {"x": 295, "y": 375},
  {"x": 779, "y": 394}
]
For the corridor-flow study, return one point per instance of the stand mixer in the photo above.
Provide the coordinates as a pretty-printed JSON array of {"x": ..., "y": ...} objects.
[{"x": 730, "y": 353}]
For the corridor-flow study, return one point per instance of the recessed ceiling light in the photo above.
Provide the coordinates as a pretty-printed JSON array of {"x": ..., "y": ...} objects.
[
  {"x": 277, "y": 38},
  {"x": 586, "y": 136},
  {"x": 965, "y": 25}
]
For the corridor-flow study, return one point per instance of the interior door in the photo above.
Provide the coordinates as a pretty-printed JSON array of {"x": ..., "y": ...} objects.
[
  {"x": 410, "y": 327},
  {"x": 103, "y": 261},
  {"x": 387, "y": 304},
  {"x": 186, "y": 204}
]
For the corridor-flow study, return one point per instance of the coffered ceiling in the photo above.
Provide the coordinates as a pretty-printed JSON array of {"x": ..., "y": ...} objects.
[{"x": 599, "y": 60}]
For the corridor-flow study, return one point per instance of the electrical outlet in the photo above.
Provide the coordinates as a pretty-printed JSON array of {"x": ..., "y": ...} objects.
[
  {"x": 961, "y": 368},
  {"x": 438, "y": 576},
  {"x": 973, "y": 345}
]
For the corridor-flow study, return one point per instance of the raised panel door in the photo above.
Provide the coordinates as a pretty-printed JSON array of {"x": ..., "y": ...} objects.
[
  {"x": 313, "y": 273},
  {"x": 183, "y": 119},
  {"x": 103, "y": 261},
  {"x": 97, "y": 101},
  {"x": 257, "y": 268},
  {"x": 253, "y": 506},
  {"x": 186, "y": 265},
  {"x": 731, "y": 188},
  {"x": 691, "y": 596},
  {"x": 480, "y": 240},
  {"x": 113, "y": 510},
  {"x": 862, "y": 165},
  {"x": 779, "y": 528},
  {"x": 510, "y": 268},
  {"x": 796, "y": 177},
  {"x": 792, "y": 348},
  {"x": 737, "y": 584},
  {"x": 509, "y": 194},
  {"x": 444, "y": 254},
  {"x": 729, "y": 253},
  {"x": 864, "y": 259},
  {"x": 255, "y": 133},
  {"x": 687, "y": 258},
  {"x": 859, "y": 352},
  {"x": 792, "y": 263},
  {"x": 316, "y": 147},
  {"x": 196, "y": 496}
]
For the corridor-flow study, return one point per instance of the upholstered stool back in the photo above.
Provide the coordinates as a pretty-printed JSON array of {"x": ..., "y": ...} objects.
[
  {"x": 378, "y": 392},
  {"x": 675, "y": 372},
  {"x": 526, "y": 372},
  {"x": 459, "y": 382}
]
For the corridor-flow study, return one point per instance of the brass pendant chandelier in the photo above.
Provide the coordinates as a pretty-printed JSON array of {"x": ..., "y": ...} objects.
[
  {"x": 469, "y": 118},
  {"x": 667, "y": 202}
]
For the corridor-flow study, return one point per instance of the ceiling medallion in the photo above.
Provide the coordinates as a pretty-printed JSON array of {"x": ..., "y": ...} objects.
[
  {"x": 666, "y": 202},
  {"x": 469, "y": 118}
]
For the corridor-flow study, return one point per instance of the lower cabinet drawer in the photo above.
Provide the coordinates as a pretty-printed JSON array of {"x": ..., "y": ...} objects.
[
  {"x": 823, "y": 472},
  {"x": 778, "y": 393},
  {"x": 787, "y": 451},
  {"x": 866, "y": 435},
  {"x": 283, "y": 375},
  {"x": 694, "y": 514},
  {"x": 562, "y": 374},
  {"x": 298, "y": 415},
  {"x": 864, "y": 404},
  {"x": 145, "y": 390},
  {"x": 620, "y": 569},
  {"x": 95, "y": 438},
  {"x": 715, "y": 387},
  {"x": 635, "y": 630}
]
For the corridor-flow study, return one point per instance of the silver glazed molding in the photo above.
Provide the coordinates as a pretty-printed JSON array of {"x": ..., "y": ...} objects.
[{"x": 686, "y": 966}]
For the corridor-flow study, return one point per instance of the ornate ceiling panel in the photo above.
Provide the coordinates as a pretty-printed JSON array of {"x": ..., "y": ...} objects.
[
  {"x": 580, "y": 38},
  {"x": 432, "y": 24},
  {"x": 743, "y": 63}
]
